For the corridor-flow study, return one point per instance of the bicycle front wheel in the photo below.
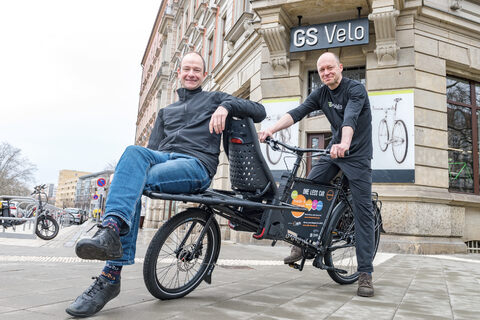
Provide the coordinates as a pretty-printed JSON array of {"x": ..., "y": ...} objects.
[
  {"x": 273, "y": 156},
  {"x": 341, "y": 253},
  {"x": 399, "y": 141},
  {"x": 47, "y": 228},
  {"x": 174, "y": 265}
]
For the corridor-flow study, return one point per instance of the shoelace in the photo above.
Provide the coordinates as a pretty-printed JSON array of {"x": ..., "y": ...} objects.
[
  {"x": 364, "y": 281},
  {"x": 98, "y": 225},
  {"x": 95, "y": 287}
]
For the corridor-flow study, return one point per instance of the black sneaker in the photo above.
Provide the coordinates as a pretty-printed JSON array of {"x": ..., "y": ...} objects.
[
  {"x": 365, "y": 285},
  {"x": 94, "y": 298},
  {"x": 104, "y": 245}
]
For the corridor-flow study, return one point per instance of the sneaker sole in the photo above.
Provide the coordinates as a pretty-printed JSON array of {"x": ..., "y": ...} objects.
[
  {"x": 366, "y": 295},
  {"x": 90, "y": 252}
]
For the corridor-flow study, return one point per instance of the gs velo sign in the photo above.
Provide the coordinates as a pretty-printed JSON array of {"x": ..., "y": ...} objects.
[{"x": 329, "y": 35}]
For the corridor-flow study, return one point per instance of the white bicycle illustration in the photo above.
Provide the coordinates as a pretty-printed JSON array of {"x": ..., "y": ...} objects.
[
  {"x": 284, "y": 136},
  {"x": 398, "y": 137}
]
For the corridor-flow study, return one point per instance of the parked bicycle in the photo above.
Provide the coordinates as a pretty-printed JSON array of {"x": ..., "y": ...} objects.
[
  {"x": 184, "y": 251},
  {"x": 66, "y": 219},
  {"x": 46, "y": 227},
  {"x": 397, "y": 137}
]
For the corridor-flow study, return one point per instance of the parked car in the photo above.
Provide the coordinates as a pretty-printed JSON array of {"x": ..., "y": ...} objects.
[{"x": 79, "y": 215}]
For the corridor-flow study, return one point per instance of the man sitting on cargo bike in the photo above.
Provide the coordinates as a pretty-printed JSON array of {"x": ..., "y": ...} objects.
[{"x": 182, "y": 157}]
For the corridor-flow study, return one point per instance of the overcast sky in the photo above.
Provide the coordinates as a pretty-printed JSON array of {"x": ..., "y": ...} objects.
[{"x": 69, "y": 80}]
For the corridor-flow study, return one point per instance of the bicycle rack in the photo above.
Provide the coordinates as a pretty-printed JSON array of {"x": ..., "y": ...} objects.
[{"x": 28, "y": 203}]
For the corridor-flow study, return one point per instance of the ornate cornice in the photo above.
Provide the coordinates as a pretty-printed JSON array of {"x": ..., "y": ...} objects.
[
  {"x": 385, "y": 22},
  {"x": 274, "y": 31}
]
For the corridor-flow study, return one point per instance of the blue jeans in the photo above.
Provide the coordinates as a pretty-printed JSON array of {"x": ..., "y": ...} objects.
[{"x": 142, "y": 169}]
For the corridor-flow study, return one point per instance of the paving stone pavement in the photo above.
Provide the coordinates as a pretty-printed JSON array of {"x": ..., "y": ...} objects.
[{"x": 39, "y": 279}]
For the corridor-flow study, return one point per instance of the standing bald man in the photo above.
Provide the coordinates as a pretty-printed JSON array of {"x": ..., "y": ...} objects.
[{"x": 345, "y": 104}]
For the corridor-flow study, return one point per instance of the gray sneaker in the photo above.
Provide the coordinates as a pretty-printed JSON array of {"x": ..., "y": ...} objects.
[
  {"x": 295, "y": 255},
  {"x": 94, "y": 298},
  {"x": 365, "y": 285}
]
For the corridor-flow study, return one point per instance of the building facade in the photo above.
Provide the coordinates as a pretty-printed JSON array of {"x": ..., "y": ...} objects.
[
  {"x": 66, "y": 188},
  {"x": 91, "y": 191},
  {"x": 419, "y": 61}
]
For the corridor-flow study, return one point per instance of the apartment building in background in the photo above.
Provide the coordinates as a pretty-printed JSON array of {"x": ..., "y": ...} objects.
[
  {"x": 419, "y": 61},
  {"x": 66, "y": 188},
  {"x": 92, "y": 190}
]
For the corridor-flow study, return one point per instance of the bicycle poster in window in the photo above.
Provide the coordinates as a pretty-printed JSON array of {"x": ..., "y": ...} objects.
[
  {"x": 393, "y": 136},
  {"x": 279, "y": 161}
]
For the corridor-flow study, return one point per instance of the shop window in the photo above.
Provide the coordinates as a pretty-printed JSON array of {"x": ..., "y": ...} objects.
[
  {"x": 314, "y": 82},
  {"x": 463, "y": 116},
  {"x": 316, "y": 140}
]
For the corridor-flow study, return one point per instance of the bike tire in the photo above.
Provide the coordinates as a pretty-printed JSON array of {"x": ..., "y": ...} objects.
[
  {"x": 165, "y": 258},
  {"x": 342, "y": 232},
  {"x": 270, "y": 152},
  {"x": 383, "y": 135},
  {"x": 47, "y": 228},
  {"x": 399, "y": 148}
]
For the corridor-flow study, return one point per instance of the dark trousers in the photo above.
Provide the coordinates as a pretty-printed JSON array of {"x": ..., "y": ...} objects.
[{"x": 359, "y": 176}]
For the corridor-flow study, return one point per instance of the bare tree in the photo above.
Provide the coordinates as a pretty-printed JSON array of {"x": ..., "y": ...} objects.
[
  {"x": 111, "y": 165},
  {"x": 16, "y": 171}
]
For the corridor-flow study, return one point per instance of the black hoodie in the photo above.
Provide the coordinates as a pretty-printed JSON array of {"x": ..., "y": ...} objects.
[{"x": 183, "y": 126}]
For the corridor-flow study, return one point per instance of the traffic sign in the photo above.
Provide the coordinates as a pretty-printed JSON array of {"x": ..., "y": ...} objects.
[
  {"x": 101, "y": 182},
  {"x": 95, "y": 196}
]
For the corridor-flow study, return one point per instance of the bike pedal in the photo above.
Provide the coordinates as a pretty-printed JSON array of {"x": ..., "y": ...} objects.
[{"x": 294, "y": 265}]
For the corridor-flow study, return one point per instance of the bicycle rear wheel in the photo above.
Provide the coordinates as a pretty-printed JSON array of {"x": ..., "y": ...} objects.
[
  {"x": 173, "y": 265},
  {"x": 341, "y": 252}
]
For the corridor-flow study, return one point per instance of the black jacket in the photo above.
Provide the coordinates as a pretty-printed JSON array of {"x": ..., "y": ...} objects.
[
  {"x": 346, "y": 105},
  {"x": 183, "y": 126}
]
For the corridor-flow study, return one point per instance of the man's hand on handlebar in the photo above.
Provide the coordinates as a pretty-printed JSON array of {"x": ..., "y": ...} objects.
[
  {"x": 339, "y": 150},
  {"x": 262, "y": 135}
]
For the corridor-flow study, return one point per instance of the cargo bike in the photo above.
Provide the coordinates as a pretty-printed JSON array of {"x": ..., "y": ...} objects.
[{"x": 317, "y": 218}]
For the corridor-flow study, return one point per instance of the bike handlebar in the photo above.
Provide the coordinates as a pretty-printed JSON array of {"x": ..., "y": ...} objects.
[
  {"x": 317, "y": 152},
  {"x": 39, "y": 188},
  {"x": 274, "y": 145}
]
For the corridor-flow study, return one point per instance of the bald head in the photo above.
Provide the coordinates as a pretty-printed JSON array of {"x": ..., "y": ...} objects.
[
  {"x": 330, "y": 69},
  {"x": 192, "y": 71},
  {"x": 194, "y": 53},
  {"x": 329, "y": 56}
]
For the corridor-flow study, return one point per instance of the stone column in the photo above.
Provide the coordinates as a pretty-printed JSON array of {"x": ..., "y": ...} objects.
[{"x": 417, "y": 217}]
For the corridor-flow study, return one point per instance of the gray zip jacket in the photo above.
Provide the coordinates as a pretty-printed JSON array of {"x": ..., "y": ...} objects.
[{"x": 183, "y": 126}]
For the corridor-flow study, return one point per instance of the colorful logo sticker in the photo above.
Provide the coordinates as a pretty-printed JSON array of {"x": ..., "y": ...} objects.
[
  {"x": 294, "y": 194},
  {"x": 330, "y": 195},
  {"x": 299, "y": 201},
  {"x": 314, "y": 204},
  {"x": 320, "y": 205},
  {"x": 308, "y": 204}
]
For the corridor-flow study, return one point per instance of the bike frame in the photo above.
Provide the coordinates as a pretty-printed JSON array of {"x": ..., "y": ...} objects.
[{"x": 232, "y": 209}]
